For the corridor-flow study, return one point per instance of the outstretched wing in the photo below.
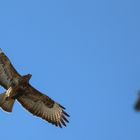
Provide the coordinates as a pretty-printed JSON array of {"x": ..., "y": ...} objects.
[
  {"x": 7, "y": 71},
  {"x": 42, "y": 106}
]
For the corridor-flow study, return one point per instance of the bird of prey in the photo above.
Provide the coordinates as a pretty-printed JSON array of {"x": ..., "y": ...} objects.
[{"x": 19, "y": 89}]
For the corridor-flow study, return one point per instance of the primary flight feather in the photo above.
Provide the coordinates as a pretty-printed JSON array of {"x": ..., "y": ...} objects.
[{"x": 18, "y": 88}]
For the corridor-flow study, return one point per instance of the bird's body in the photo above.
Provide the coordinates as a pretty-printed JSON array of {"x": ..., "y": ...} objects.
[{"x": 18, "y": 88}]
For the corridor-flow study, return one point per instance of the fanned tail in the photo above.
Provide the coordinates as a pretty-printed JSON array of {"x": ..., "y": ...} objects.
[{"x": 6, "y": 105}]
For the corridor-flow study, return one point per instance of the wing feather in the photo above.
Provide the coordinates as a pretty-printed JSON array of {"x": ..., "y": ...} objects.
[
  {"x": 7, "y": 71},
  {"x": 42, "y": 106}
]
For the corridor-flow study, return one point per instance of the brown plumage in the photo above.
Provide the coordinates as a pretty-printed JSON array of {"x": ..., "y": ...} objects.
[{"x": 18, "y": 88}]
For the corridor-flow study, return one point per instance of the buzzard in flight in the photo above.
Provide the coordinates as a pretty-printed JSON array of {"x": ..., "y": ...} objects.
[{"x": 18, "y": 88}]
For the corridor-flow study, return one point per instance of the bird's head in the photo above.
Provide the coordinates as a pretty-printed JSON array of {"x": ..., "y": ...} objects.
[{"x": 25, "y": 79}]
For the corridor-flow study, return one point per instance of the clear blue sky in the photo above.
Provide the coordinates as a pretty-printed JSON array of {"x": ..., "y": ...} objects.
[{"x": 84, "y": 54}]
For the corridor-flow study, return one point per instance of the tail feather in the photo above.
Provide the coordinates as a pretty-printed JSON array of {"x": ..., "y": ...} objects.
[{"x": 6, "y": 105}]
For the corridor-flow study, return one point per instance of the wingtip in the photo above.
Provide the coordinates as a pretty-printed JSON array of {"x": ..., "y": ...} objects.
[
  {"x": 62, "y": 107},
  {"x": 66, "y": 114},
  {"x": 63, "y": 122}
]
